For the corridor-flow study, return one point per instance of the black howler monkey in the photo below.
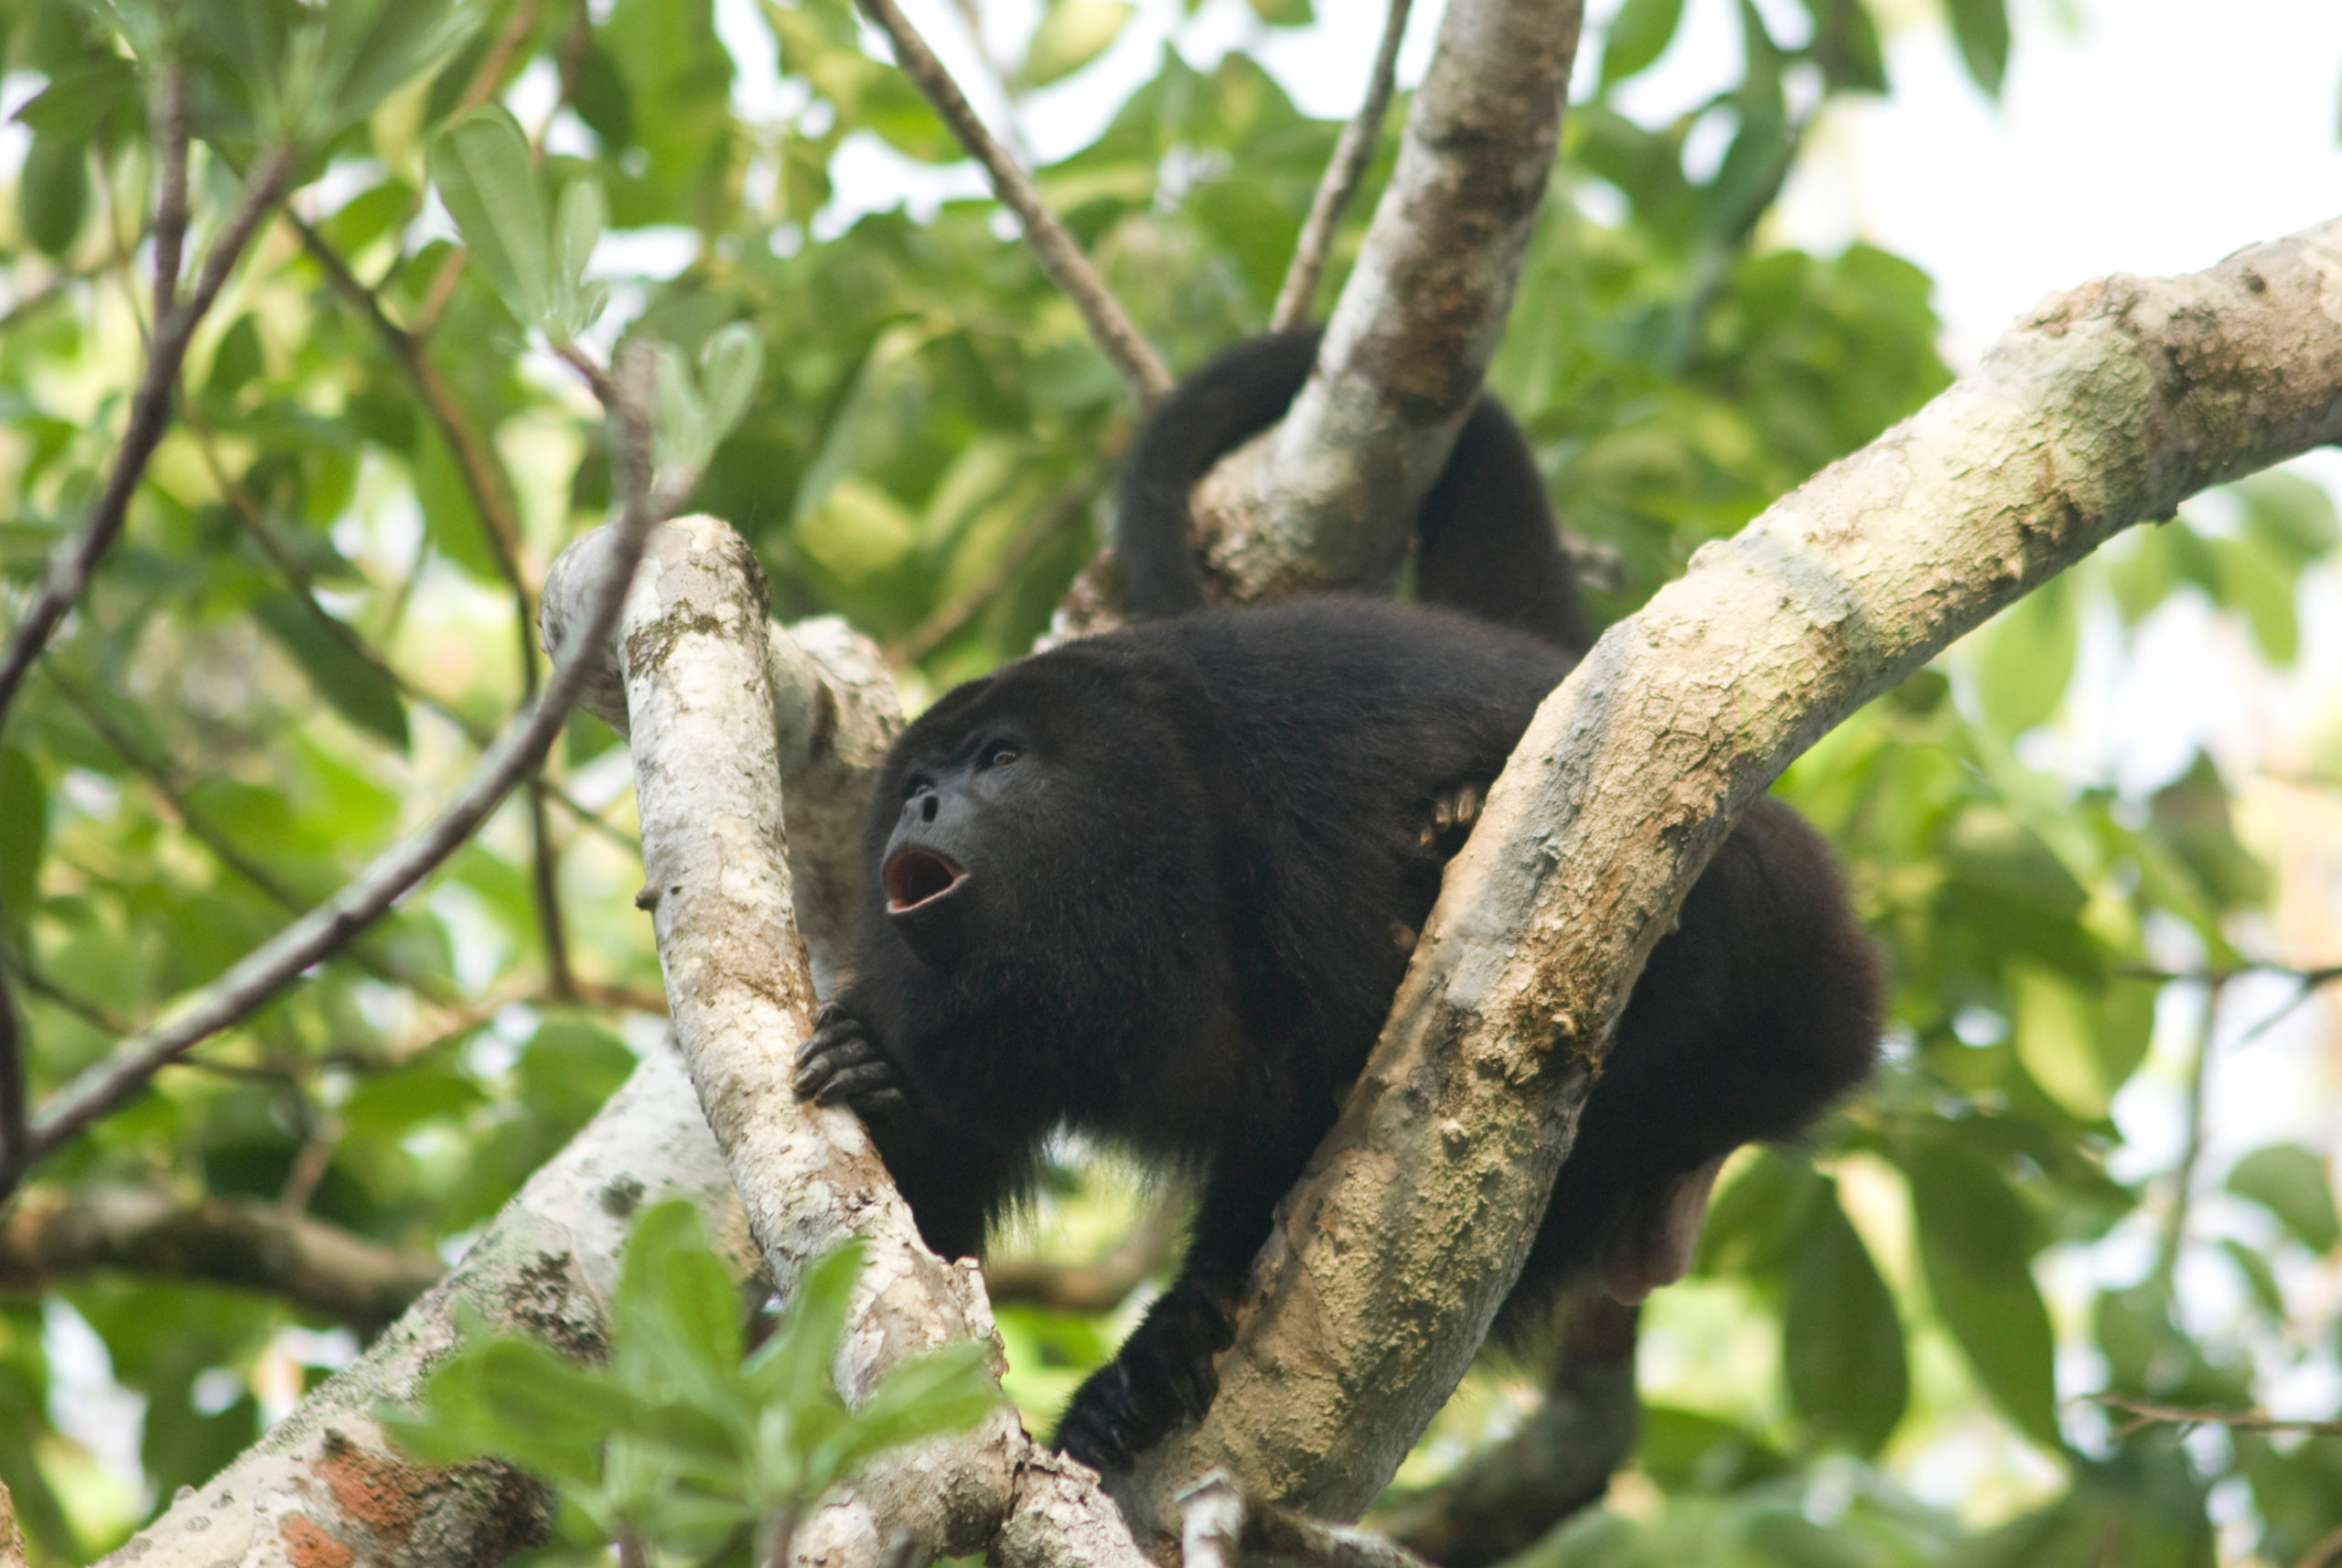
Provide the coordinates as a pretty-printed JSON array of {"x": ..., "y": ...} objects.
[{"x": 1161, "y": 885}]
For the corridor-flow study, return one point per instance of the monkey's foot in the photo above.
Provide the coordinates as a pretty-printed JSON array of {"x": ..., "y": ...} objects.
[
  {"x": 1162, "y": 1378},
  {"x": 842, "y": 1065}
]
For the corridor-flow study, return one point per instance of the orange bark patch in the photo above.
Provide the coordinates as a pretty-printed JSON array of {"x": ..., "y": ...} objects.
[
  {"x": 309, "y": 1546},
  {"x": 383, "y": 1494}
]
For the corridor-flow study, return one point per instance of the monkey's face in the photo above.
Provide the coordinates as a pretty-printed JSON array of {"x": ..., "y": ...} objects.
[
  {"x": 951, "y": 850},
  {"x": 1050, "y": 808}
]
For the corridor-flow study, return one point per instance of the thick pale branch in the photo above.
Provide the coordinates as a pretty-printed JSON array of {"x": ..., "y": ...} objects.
[
  {"x": 57, "y": 1232},
  {"x": 697, "y": 661},
  {"x": 1323, "y": 499},
  {"x": 2105, "y": 407},
  {"x": 327, "y": 1485}
]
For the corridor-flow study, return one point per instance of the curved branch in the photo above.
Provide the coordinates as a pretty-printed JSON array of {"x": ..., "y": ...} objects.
[
  {"x": 2105, "y": 407},
  {"x": 56, "y": 1233},
  {"x": 331, "y": 927},
  {"x": 1323, "y": 499}
]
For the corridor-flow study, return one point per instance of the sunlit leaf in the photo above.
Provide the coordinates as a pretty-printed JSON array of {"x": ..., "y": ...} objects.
[
  {"x": 1072, "y": 33},
  {"x": 2293, "y": 1183},
  {"x": 481, "y": 166},
  {"x": 1841, "y": 1344},
  {"x": 1639, "y": 35}
]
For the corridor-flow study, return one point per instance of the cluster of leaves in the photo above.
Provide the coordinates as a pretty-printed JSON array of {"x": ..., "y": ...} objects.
[
  {"x": 679, "y": 1441},
  {"x": 320, "y": 611}
]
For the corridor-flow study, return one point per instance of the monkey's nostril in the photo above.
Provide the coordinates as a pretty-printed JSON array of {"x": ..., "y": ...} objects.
[{"x": 927, "y": 807}]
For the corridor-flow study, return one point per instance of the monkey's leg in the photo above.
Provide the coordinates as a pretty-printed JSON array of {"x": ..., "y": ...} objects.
[{"x": 1163, "y": 1377}]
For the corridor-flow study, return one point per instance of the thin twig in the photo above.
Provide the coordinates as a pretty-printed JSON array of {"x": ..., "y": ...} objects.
[
  {"x": 2326, "y": 1554},
  {"x": 1352, "y": 152},
  {"x": 81, "y": 1007},
  {"x": 264, "y": 535},
  {"x": 2144, "y": 1413},
  {"x": 1132, "y": 355},
  {"x": 314, "y": 937},
  {"x": 170, "y": 202},
  {"x": 150, "y": 415},
  {"x": 167, "y": 781},
  {"x": 2174, "y": 1229}
]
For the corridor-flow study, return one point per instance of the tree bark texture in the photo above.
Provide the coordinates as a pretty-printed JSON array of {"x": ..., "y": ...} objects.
[
  {"x": 698, "y": 666},
  {"x": 2106, "y": 407},
  {"x": 326, "y": 1488},
  {"x": 1326, "y": 498}
]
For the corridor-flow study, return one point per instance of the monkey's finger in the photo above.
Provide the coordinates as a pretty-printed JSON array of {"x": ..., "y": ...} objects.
[
  {"x": 884, "y": 1101},
  {"x": 856, "y": 1080}
]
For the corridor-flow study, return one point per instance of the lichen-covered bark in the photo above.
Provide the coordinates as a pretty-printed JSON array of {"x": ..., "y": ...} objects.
[
  {"x": 326, "y": 1489},
  {"x": 1325, "y": 499},
  {"x": 708, "y": 762},
  {"x": 2105, "y": 407}
]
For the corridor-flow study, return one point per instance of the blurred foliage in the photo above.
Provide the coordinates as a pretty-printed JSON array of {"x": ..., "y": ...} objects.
[
  {"x": 686, "y": 1439},
  {"x": 312, "y": 624}
]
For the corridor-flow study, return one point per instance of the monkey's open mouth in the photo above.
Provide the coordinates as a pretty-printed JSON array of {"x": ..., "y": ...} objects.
[{"x": 917, "y": 878}]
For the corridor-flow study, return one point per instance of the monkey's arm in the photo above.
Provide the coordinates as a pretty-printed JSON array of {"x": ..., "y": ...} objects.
[{"x": 952, "y": 1181}]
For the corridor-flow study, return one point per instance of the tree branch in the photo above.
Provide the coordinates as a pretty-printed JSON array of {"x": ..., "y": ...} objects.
[
  {"x": 329, "y": 1475},
  {"x": 1133, "y": 357},
  {"x": 1502, "y": 1499},
  {"x": 2106, "y": 407},
  {"x": 1352, "y": 152},
  {"x": 334, "y": 924},
  {"x": 1324, "y": 500},
  {"x": 52, "y": 1233},
  {"x": 2144, "y": 1413},
  {"x": 170, "y": 201},
  {"x": 150, "y": 416}
]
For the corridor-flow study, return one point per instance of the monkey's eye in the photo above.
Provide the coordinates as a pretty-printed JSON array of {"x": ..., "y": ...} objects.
[
  {"x": 916, "y": 786},
  {"x": 1000, "y": 754}
]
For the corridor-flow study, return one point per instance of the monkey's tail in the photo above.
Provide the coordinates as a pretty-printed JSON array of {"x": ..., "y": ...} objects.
[
  {"x": 1488, "y": 541},
  {"x": 1236, "y": 396}
]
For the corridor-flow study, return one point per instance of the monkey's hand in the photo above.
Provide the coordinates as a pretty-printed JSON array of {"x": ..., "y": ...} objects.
[
  {"x": 1160, "y": 1379},
  {"x": 842, "y": 1065}
]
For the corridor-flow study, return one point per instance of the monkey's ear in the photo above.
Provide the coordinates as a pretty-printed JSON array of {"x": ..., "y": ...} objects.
[{"x": 1652, "y": 1246}]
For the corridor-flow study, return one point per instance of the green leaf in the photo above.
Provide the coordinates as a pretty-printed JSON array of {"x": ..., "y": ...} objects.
[
  {"x": 77, "y": 101},
  {"x": 237, "y": 361},
  {"x": 730, "y": 363},
  {"x": 792, "y": 1367},
  {"x": 1980, "y": 29},
  {"x": 2293, "y": 1183},
  {"x": 2056, "y": 1039},
  {"x": 53, "y": 193},
  {"x": 2259, "y": 1277},
  {"x": 1071, "y": 34},
  {"x": 480, "y": 165},
  {"x": 2259, "y": 581},
  {"x": 1976, "y": 1242},
  {"x": 948, "y": 1389},
  {"x": 2024, "y": 658},
  {"x": 2289, "y": 514},
  {"x": 360, "y": 690},
  {"x": 578, "y": 229},
  {"x": 1841, "y": 1344},
  {"x": 1639, "y": 35}
]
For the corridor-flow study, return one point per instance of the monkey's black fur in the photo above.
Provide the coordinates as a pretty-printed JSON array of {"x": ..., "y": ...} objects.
[
  {"x": 1485, "y": 538},
  {"x": 1161, "y": 885}
]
